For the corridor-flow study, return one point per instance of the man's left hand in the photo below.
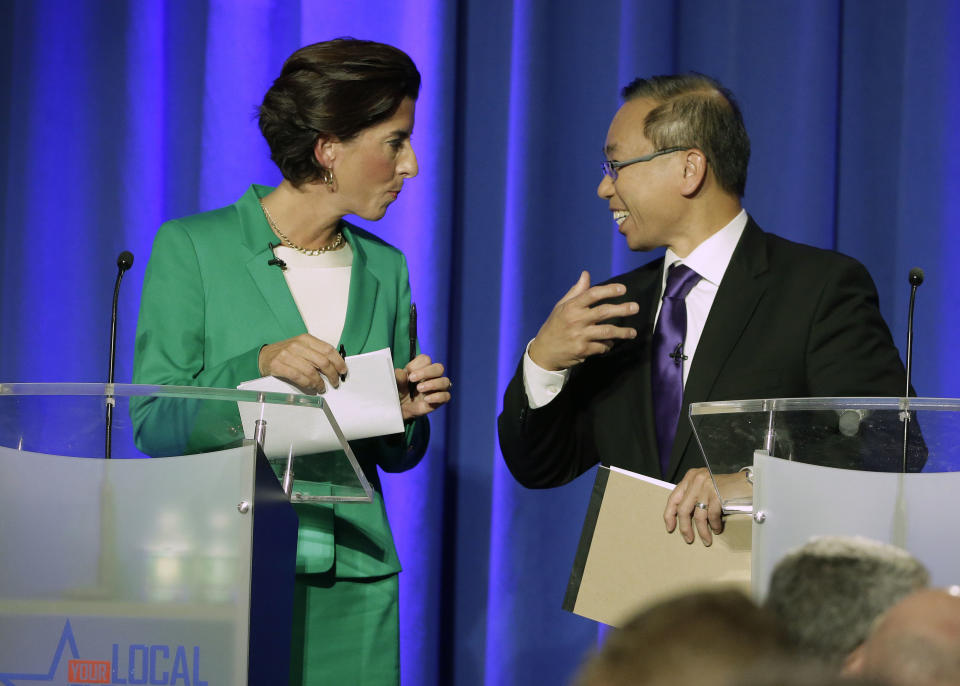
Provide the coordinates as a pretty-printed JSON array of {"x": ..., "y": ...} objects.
[{"x": 696, "y": 489}]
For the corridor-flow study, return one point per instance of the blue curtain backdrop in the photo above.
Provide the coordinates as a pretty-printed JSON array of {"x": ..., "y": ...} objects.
[{"x": 118, "y": 115}]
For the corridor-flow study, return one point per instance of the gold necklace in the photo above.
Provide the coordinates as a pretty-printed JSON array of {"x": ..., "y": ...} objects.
[{"x": 337, "y": 242}]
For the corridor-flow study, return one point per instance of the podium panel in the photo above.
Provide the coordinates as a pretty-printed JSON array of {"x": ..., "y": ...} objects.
[
  {"x": 799, "y": 501},
  {"x": 137, "y": 571},
  {"x": 168, "y": 421},
  {"x": 883, "y": 468}
]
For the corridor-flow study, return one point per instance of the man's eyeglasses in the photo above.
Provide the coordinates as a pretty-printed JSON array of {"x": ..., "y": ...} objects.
[{"x": 612, "y": 169}]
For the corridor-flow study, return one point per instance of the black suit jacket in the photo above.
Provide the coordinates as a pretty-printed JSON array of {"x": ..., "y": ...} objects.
[{"x": 789, "y": 320}]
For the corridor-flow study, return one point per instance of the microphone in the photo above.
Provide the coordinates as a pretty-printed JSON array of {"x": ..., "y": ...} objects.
[
  {"x": 276, "y": 261},
  {"x": 124, "y": 262},
  {"x": 677, "y": 355},
  {"x": 915, "y": 278}
]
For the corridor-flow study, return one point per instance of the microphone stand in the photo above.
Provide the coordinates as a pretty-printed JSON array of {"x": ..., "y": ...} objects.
[
  {"x": 124, "y": 262},
  {"x": 916, "y": 278}
]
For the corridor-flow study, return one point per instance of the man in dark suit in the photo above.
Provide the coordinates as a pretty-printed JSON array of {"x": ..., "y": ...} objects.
[{"x": 731, "y": 312}]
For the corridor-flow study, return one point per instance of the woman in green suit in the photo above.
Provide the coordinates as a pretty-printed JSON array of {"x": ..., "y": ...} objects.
[{"x": 272, "y": 286}]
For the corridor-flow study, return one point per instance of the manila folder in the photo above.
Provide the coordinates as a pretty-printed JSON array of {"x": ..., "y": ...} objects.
[{"x": 627, "y": 561}]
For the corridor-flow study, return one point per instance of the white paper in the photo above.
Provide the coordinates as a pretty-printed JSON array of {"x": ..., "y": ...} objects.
[
  {"x": 666, "y": 485},
  {"x": 364, "y": 405}
]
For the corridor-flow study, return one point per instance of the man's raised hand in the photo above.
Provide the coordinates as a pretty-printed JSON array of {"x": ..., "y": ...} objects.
[{"x": 575, "y": 329}]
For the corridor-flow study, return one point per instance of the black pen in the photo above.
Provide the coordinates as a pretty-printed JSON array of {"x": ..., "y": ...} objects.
[
  {"x": 413, "y": 341},
  {"x": 343, "y": 354}
]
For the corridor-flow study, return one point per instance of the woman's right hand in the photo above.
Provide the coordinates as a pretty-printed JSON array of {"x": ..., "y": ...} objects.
[{"x": 303, "y": 361}]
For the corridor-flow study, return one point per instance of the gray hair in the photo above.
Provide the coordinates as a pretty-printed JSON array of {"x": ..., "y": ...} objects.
[{"x": 829, "y": 592}]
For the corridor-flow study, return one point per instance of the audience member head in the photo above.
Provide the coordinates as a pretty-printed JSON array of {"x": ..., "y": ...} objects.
[
  {"x": 797, "y": 671},
  {"x": 828, "y": 593},
  {"x": 709, "y": 635},
  {"x": 915, "y": 643}
]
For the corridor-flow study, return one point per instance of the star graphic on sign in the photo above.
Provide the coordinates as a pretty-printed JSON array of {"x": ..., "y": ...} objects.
[{"x": 67, "y": 641}]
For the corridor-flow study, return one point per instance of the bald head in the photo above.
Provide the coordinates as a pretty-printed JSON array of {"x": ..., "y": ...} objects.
[{"x": 917, "y": 642}]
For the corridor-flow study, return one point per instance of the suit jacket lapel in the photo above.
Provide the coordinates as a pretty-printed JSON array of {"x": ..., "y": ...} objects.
[
  {"x": 737, "y": 298},
  {"x": 364, "y": 285},
  {"x": 269, "y": 279},
  {"x": 362, "y": 299}
]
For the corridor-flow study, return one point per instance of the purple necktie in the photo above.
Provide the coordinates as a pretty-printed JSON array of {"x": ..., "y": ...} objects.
[{"x": 668, "y": 357}]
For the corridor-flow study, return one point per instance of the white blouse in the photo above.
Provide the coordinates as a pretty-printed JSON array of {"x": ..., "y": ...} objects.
[{"x": 320, "y": 285}]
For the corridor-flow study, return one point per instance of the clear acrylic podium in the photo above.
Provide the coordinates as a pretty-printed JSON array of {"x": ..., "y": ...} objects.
[
  {"x": 173, "y": 570},
  {"x": 837, "y": 466}
]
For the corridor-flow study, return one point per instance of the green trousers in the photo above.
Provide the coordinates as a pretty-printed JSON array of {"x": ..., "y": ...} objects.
[{"x": 345, "y": 631}]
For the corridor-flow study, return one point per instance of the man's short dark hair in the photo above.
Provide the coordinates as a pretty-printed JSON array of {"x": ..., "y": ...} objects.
[
  {"x": 695, "y": 111},
  {"x": 333, "y": 89}
]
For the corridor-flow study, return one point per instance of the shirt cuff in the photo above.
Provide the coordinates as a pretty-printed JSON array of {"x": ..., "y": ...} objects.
[{"x": 541, "y": 385}]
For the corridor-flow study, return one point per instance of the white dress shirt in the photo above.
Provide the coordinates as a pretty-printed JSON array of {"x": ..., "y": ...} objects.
[{"x": 709, "y": 259}]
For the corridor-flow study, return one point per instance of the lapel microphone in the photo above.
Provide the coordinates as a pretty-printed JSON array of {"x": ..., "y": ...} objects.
[
  {"x": 276, "y": 261},
  {"x": 677, "y": 355}
]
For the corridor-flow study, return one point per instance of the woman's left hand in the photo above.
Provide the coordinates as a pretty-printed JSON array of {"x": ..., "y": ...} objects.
[{"x": 432, "y": 387}]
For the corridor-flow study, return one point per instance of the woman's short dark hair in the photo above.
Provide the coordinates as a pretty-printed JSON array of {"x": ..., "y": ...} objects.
[
  {"x": 334, "y": 89},
  {"x": 695, "y": 111}
]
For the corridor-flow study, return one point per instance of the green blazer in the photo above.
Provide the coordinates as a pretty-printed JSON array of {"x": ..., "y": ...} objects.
[{"x": 210, "y": 301}]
